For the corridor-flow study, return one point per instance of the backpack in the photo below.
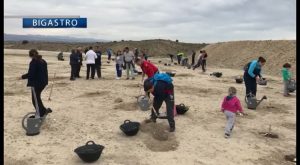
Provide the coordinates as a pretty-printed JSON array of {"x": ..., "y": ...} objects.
[{"x": 161, "y": 77}]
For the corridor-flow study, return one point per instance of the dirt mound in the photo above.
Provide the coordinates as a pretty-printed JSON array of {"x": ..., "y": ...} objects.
[{"x": 237, "y": 53}]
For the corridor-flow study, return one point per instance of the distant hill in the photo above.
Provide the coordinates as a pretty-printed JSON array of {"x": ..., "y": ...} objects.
[
  {"x": 14, "y": 37},
  {"x": 156, "y": 47}
]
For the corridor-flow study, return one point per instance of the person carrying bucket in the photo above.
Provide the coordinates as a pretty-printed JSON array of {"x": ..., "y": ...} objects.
[
  {"x": 161, "y": 87},
  {"x": 252, "y": 74},
  {"x": 37, "y": 79}
]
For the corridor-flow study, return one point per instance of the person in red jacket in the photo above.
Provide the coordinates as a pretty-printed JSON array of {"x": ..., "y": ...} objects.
[{"x": 148, "y": 68}]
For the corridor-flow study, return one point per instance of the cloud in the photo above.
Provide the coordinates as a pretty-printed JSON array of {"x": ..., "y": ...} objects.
[{"x": 189, "y": 20}]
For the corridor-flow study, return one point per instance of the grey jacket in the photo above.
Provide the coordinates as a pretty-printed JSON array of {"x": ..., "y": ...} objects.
[{"x": 119, "y": 59}]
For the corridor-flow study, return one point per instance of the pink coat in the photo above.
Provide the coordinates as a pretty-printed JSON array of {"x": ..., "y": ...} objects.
[{"x": 232, "y": 105}]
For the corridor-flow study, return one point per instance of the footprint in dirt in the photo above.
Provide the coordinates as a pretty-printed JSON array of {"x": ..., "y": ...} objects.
[
  {"x": 275, "y": 108},
  {"x": 161, "y": 140}
]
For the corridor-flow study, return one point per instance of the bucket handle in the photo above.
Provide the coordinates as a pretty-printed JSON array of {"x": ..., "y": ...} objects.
[
  {"x": 127, "y": 121},
  {"x": 25, "y": 117},
  {"x": 87, "y": 143}
]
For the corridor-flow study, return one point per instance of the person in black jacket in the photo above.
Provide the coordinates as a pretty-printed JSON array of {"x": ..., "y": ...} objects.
[
  {"x": 163, "y": 92},
  {"x": 79, "y": 52},
  {"x": 37, "y": 79},
  {"x": 98, "y": 61},
  {"x": 193, "y": 57},
  {"x": 75, "y": 64}
]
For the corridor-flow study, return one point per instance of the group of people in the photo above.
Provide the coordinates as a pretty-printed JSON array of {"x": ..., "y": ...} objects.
[
  {"x": 252, "y": 74},
  {"x": 158, "y": 84}
]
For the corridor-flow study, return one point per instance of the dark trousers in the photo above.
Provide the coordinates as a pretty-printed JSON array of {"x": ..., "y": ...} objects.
[
  {"x": 169, "y": 100},
  {"x": 179, "y": 59},
  {"x": 37, "y": 91},
  {"x": 74, "y": 69},
  {"x": 250, "y": 84},
  {"x": 203, "y": 65},
  {"x": 171, "y": 56},
  {"x": 78, "y": 70},
  {"x": 119, "y": 70},
  {"x": 98, "y": 70},
  {"x": 193, "y": 60},
  {"x": 198, "y": 64},
  {"x": 89, "y": 68}
]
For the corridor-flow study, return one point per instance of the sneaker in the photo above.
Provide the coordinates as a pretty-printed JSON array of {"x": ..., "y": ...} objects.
[
  {"x": 127, "y": 78},
  {"x": 172, "y": 129},
  {"x": 117, "y": 78},
  {"x": 226, "y": 135},
  {"x": 72, "y": 79}
]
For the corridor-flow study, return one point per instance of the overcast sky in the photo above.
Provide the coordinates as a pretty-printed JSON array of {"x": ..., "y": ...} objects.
[{"x": 186, "y": 20}]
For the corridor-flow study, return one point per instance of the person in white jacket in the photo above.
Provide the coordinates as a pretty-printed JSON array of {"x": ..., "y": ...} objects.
[{"x": 90, "y": 57}]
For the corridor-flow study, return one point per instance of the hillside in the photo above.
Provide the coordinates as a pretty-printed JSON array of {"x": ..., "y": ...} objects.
[
  {"x": 236, "y": 54},
  {"x": 155, "y": 47}
]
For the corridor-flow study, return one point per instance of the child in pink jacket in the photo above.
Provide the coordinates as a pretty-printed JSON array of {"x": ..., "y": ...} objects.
[{"x": 230, "y": 106}]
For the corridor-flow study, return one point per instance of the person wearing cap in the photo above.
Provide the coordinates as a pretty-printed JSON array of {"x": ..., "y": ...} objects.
[
  {"x": 162, "y": 92},
  {"x": 147, "y": 67}
]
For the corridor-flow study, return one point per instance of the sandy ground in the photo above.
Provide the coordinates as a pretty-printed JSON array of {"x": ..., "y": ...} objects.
[{"x": 86, "y": 110}]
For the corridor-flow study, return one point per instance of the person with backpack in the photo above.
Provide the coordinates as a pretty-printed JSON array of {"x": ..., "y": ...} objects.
[
  {"x": 90, "y": 63},
  {"x": 252, "y": 74},
  {"x": 161, "y": 87},
  {"x": 119, "y": 64},
  {"x": 98, "y": 61},
  {"x": 37, "y": 79},
  {"x": 287, "y": 77},
  {"x": 74, "y": 62},
  {"x": 128, "y": 57},
  {"x": 147, "y": 67}
]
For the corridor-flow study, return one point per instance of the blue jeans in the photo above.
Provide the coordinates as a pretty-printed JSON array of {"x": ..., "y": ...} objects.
[{"x": 119, "y": 70}]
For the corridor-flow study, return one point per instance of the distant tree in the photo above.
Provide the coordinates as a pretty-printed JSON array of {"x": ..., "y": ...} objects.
[
  {"x": 114, "y": 41},
  {"x": 25, "y": 42},
  {"x": 122, "y": 40},
  {"x": 176, "y": 40}
]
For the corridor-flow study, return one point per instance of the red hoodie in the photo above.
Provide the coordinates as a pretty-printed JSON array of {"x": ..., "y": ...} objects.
[
  {"x": 231, "y": 104},
  {"x": 148, "y": 68}
]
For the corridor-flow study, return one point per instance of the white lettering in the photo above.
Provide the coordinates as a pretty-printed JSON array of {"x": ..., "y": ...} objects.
[
  {"x": 50, "y": 23},
  {"x": 74, "y": 22},
  {"x": 43, "y": 22},
  {"x": 55, "y": 22},
  {"x": 34, "y": 22},
  {"x": 67, "y": 22},
  {"x": 62, "y": 22}
]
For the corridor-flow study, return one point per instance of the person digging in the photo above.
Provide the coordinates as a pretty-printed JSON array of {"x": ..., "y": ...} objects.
[{"x": 162, "y": 91}]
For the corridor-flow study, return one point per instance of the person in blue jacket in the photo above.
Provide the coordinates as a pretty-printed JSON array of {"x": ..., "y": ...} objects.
[
  {"x": 252, "y": 74},
  {"x": 37, "y": 79}
]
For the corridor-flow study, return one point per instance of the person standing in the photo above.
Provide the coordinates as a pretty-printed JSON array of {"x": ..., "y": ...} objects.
[
  {"x": 204, "y": 61},
  {"x": 98, "y": 61},
  {"x": 193, "y": 57},
  {"x": 287, "y": 77},
  {"x": 252, "y": 74},
  {"x": 37, "y": 79},
  {"x": 75, "y": 63},
  {"x": 109, "y": 53},
  {"x": 90, "y": 63},
  {"x": 128, "y": 61},
  {"x": 119, "y": 64},
  {"x": 136, "y": 53},
  {"x": 171, "y": 57},
  {"x": 179, "y": 56},
  {"x": 79, "y": 52}
]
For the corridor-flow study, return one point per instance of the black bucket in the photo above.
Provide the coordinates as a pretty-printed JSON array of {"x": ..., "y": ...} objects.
[
  {"x": 239, "y": 80},
  {"x": 181, "y": 109},
  {"x": 130, "y": 128},
  {"x": 89, "y": 152}
]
